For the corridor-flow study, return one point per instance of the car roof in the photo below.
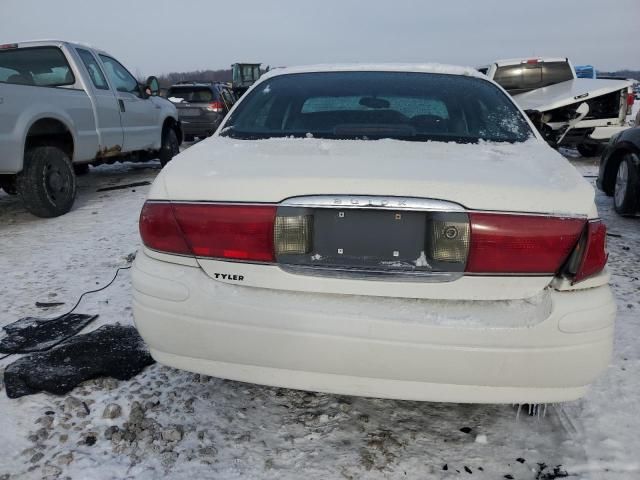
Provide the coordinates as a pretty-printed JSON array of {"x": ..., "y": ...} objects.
[
  {"x": 377, "y": 67},
  {"x": 57, "y": 43}
]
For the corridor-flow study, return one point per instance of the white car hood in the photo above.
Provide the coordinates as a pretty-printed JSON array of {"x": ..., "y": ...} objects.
[
  {"x": 524, "y": 177},
  {"x": 566, "y": 93}
]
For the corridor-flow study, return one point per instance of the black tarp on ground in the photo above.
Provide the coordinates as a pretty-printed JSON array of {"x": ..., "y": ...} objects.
[
  {"x": 32, "y": 334},
  {"x": 111, "y": 351}
]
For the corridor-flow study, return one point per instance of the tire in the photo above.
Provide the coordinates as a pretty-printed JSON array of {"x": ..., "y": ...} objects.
[
  {"x": 170, "y": 146},
  {"x": 47, "y": 184},
  {"x": 626, "y": 191},
  {"x": 589, "y": 149},
  {"x": 81, "y": 168}
]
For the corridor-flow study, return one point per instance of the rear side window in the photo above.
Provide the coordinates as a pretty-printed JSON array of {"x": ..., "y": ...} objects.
[
  {"x": 37, "y": 66},
  {"x": 529, "y": 76},
  {"x": 371, "y": 105},
  {"x": 95, "y": 73},
  {"x": 192, "y": 94}
]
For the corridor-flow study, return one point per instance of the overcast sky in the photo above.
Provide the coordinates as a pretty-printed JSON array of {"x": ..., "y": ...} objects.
[{"x": 160, "y": 36}]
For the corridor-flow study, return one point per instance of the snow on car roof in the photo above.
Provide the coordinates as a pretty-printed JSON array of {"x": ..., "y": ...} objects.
[{"x": 378, "y": 67}]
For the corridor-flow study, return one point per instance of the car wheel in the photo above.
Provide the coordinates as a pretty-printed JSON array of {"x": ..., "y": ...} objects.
[
  {"x": 170, "y": 146},
  {"x": 47, "y": 184},
  {"x": 81, "y": 168},
  {"x": 626, "y": 191},
  {"x": 589, "y": 149}
]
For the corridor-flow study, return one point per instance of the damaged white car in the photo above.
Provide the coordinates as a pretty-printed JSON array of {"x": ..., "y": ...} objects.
[{"x": 396, "y": 231}]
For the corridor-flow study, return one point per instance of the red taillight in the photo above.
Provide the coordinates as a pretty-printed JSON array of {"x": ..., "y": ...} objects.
[
  {"x": 592, "y": 251},
  {"x": 533, "y": 61},
  {"x": 512, "y": 244},
  {"x": 631, "y": 98},
  {"x": 160, "y": 231},
  {"x": 241, "y": 232},
  {"x": 238, "y": 232},
  {"x": 217, "y": 107}
]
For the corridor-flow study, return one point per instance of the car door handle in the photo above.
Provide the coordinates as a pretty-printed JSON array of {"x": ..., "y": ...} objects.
[{"x": 121, "y": 102}]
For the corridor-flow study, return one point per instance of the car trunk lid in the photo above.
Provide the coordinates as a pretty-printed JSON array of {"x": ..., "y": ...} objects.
[{"x": 375, "y": 245}]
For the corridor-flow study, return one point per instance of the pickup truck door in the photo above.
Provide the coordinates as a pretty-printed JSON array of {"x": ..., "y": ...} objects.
[
  {"x": 105, "y": 105},
  {"x": 140, "y": 117}
]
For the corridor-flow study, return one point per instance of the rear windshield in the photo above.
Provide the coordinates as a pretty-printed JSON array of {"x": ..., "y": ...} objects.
[
  {"x": 192, "y": 94},
  {"x": 39, "y": 66},
  {"x": 529, "y": 76},
  {"x": 373, "y": 105}
]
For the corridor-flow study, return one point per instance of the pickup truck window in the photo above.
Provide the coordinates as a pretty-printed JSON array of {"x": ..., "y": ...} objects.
[
  {"x": 120, "y": 76},
  {"x": 371, "y": 105},
  {"x": 529, "y": 76},
  {"x": 97, "y": 77},
  {"x": 37, "y": 66}
]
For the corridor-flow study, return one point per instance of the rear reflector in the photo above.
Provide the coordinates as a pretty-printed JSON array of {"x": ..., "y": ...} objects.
[
  {"x": 592, "y": 250},
  {"x": 527, "y": 244},
  {"x": 236, "y": 232}
]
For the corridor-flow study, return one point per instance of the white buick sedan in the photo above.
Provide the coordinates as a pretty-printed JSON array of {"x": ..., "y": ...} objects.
[{"x": 396, "y": 231}]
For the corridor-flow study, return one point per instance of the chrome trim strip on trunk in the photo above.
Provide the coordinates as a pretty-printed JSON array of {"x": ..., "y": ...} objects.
[{"x": 372, "y": 202}]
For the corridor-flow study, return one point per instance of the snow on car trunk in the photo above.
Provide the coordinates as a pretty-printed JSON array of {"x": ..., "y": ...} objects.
[{"x": 520, "y": 177}]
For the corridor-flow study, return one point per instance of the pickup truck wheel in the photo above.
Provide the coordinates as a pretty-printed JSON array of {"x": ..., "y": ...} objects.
[
  {"x": 626, "y": 191},
  {"x": 170, "y": 146},
  {"x": 589, "y": 149},
  {"x": 47, "y": 184}
]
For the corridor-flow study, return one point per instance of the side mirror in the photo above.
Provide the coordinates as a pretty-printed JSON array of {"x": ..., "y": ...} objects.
[{"x": 152, "y": 86}]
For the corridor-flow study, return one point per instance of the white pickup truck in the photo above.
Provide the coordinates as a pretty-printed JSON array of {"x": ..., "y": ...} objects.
[
  {"x": 548, "y": 90},
  {"x": 65, "y": 106}
]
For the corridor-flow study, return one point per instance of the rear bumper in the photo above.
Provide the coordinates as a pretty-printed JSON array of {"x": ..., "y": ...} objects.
[
  {"x": 191, "y": 127},
  {"x": 315, "y": 342},
  {"x": 603, "y": 134}
]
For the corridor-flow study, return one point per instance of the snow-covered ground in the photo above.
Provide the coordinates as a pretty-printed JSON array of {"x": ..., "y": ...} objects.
[{"x": 181, "y": 425}]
